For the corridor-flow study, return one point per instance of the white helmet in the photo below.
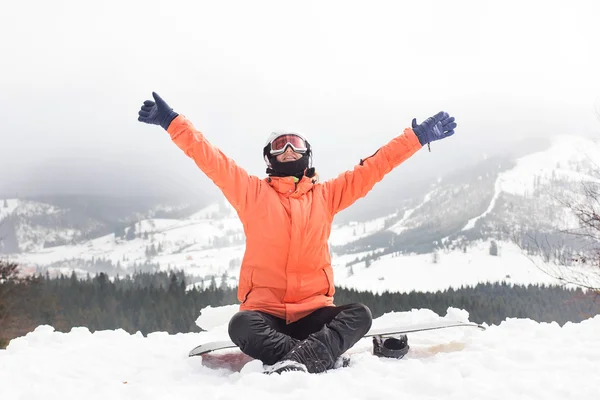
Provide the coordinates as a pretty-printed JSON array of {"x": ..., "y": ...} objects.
[{"x": 294, "y": 139}]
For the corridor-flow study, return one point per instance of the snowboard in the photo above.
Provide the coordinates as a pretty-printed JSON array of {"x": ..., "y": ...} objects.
[{"x": 209, "y": 347}]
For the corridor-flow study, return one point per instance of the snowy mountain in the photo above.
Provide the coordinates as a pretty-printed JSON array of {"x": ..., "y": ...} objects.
[
  {"x": 33, "y": 224},
  {"x": 439, "y": 237}
]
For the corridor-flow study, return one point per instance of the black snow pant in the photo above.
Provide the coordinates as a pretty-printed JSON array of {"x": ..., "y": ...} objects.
[{"x": 269, "y": 338}]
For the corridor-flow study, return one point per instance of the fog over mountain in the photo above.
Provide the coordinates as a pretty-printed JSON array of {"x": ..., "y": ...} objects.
[{"x": 350, "y": 76}]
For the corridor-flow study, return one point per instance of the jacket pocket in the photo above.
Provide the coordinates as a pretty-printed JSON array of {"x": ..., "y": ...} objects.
[{"x": 329, "y": 275}]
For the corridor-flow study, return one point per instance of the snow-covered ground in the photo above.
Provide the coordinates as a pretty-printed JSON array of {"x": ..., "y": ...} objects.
[
  {"x": 454, "y": 269},
  {"x": 516, "y": 359},
  {"x": 344, "y": 234}
]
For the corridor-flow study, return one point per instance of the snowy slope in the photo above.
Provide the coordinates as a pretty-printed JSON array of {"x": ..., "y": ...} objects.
[
  {"x": 343, "y": 234},
  {"x": 516, "y": 359},
  {"x": 400, "y": 226},
  {"x": 188, "y": 243},
  {"x": 31, "y": 238},
  {"x": 570, "y": 158},
  {"x": 497, "y": 190},
  {"x": 453, "y": 269}
]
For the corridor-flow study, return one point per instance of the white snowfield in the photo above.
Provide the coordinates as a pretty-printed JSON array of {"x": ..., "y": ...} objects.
[{"x": 517, "y": 359}]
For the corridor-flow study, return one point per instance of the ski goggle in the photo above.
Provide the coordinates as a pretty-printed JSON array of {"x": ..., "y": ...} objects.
[{"x": 279, "y": 144}]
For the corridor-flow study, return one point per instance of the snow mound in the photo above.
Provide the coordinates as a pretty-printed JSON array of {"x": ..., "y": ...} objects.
[
  {"x": 216, "y": 317},
  {"x": 519, "y": 358}
]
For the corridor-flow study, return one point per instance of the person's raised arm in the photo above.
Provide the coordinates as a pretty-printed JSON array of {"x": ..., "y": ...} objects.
[
  {"x": 351, "y": 185},
  {"x": 235, "y": 183}
]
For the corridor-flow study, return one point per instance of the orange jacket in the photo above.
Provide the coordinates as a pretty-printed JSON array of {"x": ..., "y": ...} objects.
[{"x": 286, "y": 270}]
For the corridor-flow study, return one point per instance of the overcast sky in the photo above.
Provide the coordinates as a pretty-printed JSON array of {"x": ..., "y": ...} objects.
[{"x": 350, "y": 75}]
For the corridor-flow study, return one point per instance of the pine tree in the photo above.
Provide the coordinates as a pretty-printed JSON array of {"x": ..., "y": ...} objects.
[
  {"x": 223, "y": 285},
  {"x": 493, "y": 248}
]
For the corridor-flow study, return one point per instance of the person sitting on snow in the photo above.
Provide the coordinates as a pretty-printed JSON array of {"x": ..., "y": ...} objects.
[{"x": 287, "y": 318}]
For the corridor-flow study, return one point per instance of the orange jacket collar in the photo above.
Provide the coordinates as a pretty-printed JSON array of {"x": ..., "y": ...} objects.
[{"x": 288, "y": 185}]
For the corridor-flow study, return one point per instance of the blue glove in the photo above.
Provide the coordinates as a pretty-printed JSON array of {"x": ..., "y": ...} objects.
[
  {"x": 158, "y": 113},
  {"x": 440, "y": 126}
]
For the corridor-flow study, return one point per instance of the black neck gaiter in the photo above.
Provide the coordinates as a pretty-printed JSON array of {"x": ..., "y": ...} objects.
[{"x": 290, "y": 168}]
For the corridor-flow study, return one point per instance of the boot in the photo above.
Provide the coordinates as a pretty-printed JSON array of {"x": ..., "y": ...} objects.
[
  {"x": 285, "y": 366},
  {"x": 309, "y": 355}
]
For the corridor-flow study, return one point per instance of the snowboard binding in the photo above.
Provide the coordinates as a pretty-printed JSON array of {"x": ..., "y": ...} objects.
[{"x": 390, "y": 347}]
